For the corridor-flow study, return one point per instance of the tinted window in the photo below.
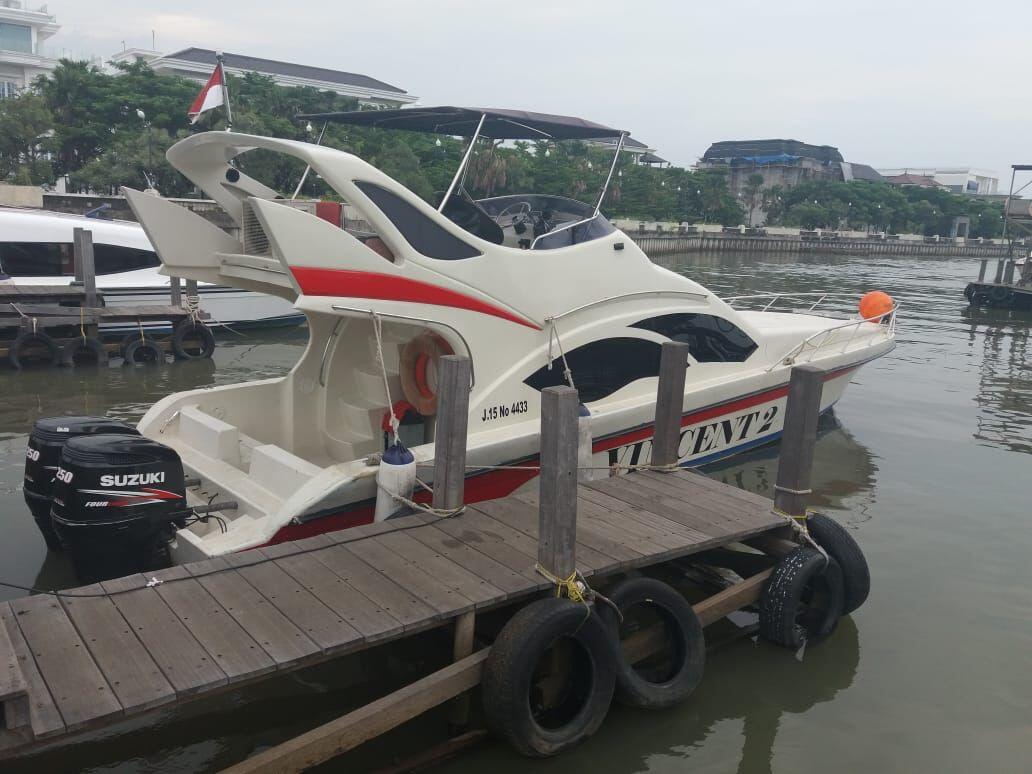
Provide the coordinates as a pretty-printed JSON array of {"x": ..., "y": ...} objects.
[
  {"x": 419, "y": 231},
  {"x": 710, "y": 339},
  {"x": 36, "y": 259},
  {"x": 112, "y": 259},
  {"x": 55, "y": 259},
  {"x": 602, "y": 367}
]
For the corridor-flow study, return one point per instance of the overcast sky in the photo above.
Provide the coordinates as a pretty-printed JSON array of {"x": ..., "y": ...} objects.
[{"x": 890, "y": 83}]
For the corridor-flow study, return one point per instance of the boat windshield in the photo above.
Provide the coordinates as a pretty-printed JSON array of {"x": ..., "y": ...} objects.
[{"x": 529, "y": 222}]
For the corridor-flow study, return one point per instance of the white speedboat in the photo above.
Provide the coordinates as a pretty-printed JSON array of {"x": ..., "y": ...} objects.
[
  {"x": 536, "y": 290},
  {"x": 36, "y": 249}
]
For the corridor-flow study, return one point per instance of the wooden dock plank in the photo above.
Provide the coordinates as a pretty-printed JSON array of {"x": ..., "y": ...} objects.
[
  {"x": 715, "y": 507},
  {"x": 229, "y": 645},
  {"x": 330, "y": 631},
  {"x": 44, "y": 716},
  {"x": 510, "y": 547},
  {"x": 399, "y": 601},
  {"x": 468, "y": 584},
  {"x": 128, "y": 666},
  {"x": 370, "y": 619},
  {"x": 690, "y": 526},
  {"x": 690, "y": 514},
  {"x": 269, "y": 627},
  {"x": 77, "y": 685},
  {"x": 442, "y": 598},
  {"x": 182, "y": 659},
  {"x": 472, "y": 558}
]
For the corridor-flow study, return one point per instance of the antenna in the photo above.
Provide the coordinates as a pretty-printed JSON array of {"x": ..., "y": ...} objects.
[{"x": 153, "y": 44}]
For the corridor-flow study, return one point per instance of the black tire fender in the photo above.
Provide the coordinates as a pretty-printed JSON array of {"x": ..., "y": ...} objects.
[
  {"x": 192, "y": 329},
  {"x": 803, "y": 576},
  {"x": 510, "y": 698},
  {"x": 840, "y": 545},
  {"x": 143, "y": 351},
  {"x": 16, "y": 354},
  {"x": 677, "y": 676},
  {"x": 84, "y": 346}
]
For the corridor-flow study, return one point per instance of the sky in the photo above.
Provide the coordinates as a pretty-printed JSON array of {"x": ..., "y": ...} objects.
[{"x": 891, "y": 84}]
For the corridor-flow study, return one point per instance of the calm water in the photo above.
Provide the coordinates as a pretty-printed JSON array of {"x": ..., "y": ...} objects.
[{"x": 927, "y": 459}]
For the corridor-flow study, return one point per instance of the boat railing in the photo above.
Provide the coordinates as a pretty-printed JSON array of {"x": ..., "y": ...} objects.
[
  {"x": 808, "y": 302},
  {"x": 827, "y": 340}
]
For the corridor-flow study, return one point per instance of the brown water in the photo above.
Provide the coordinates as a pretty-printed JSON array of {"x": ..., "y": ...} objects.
[{"x": 927, "y": 459}]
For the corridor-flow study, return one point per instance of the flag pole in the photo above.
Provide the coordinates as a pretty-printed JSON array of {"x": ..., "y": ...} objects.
[{"x": 225, "y": 91}]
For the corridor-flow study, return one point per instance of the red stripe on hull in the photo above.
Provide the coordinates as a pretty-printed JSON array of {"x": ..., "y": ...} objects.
[{"x": 386, "y": 287}]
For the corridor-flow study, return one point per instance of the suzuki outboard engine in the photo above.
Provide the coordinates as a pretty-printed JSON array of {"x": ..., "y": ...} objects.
[
  {"x": 46, "y": 441},
  {"x": 117, "y": 502}
]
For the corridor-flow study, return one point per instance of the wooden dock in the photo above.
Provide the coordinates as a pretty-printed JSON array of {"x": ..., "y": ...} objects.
[
  {"x": 94, "y": 660},
  {"x": 88, "y": 658}
]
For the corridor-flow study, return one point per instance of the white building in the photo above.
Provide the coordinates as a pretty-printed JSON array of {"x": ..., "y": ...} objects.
[
  {"x": 198, "y": 63},
  {"x": 957, "y": 179},
  {"x": 22, "y": 32}
]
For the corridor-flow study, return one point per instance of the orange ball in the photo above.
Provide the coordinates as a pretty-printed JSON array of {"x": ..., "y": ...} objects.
[{"x": 876, "y": 305}]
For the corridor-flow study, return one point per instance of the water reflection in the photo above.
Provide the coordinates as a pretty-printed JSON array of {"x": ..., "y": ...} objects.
[{"x": 844, "y": 472}]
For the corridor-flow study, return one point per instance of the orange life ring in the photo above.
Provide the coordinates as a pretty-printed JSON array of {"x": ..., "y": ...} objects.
[{"x": 419, "y": 371}]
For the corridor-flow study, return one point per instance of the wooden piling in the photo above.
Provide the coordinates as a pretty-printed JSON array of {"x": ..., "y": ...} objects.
[
  {"x": 666, "y": 434},
  {"x": 798, "y": 439},
  {"x": 83, "y": 264},
  {"x": 175, "y": 291},
  {"x": 557, "y": 514},
  {"x": 1008, "y": 274},
  {"x": 981, "y": 269},
  {"x": 999, "y": 271},
  {"x": 453, "y": 380}
]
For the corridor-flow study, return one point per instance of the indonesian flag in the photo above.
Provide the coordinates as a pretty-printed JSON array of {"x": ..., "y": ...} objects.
[{"x": 212, "y": 95}]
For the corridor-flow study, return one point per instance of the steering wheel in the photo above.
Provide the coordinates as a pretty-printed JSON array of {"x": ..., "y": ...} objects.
[{"x": 520, "y": 212}]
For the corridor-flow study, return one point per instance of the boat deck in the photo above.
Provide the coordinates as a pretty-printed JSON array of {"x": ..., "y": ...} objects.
[{"x": 69, "y": 664}]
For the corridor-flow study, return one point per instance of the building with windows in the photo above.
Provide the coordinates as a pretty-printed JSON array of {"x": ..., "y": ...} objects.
[
  {"x": 965, "y": 180},
  {"x": 198, "y": 63},
  {"x": 22, "y": 33},
  {"x": 639, "y": 152}
]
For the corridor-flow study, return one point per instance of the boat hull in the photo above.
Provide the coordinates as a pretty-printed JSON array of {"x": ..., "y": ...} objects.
[{"x": 708, "y": 434}]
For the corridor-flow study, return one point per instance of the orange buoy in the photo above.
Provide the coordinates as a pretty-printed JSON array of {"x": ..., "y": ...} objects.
[
  {"x": 419, "y": 371},
  {"x": 876, "y": 305}
]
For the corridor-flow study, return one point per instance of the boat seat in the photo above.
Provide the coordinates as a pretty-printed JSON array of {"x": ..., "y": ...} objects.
[
  {"x": 277, "y": 470},
  {"x": 209, "y": 436}
]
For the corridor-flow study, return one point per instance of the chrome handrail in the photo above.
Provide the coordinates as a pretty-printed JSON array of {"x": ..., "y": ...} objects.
[{"x": 790, "y": 357}]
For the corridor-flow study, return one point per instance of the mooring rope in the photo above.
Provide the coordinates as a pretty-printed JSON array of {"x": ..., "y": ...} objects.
[
  {"x": 553, "y": 332},
  {"x": 378, "y": 332}
]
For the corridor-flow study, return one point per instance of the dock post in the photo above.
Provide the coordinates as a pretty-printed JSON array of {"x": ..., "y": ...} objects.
[
  {"x": 999, "y": 272},
  {"x": 557, "y": 514},
  {"x": 1008, "y": 274},
  {"x": 84, "y": 267},
  {"x": 453, "y": 379},
  {"x": 1026, "y": 271},
  {"x": 175, "y": 291},
  {"x": 802, "y": 412},
  {"x": 666, "y": 433},
  {"x": 981, "y": 269}
]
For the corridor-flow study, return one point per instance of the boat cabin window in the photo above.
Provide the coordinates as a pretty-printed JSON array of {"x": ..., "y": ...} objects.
[
  {"x": 55, "y": 259},
  {"x": 602, "y": 367},
  {"x": 543, "y": 222},
  {"x": 710, "y": 339},
  {"x": 421, "y": 232}
]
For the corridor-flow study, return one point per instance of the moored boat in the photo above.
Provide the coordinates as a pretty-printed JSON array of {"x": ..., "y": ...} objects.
[{"x": 536, "y": 290}]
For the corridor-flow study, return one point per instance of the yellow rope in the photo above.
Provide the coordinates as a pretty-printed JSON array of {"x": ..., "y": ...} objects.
[{"x": 573, "y": 588}]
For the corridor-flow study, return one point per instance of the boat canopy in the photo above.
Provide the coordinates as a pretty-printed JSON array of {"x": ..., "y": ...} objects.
[{"x": 464, "y": 122}]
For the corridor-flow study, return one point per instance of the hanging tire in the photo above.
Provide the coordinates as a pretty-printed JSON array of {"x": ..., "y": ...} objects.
[
  {"x": 840, "y": 545},
  {"x": 33, "y": 348},
  {"x": 981, "y": 298},
  {"x": 84, "y": 351},
  {"x": 1000, "y": 296},
  {"x": 523, "y": 703},
  {"x": 969, "y": 292},
  {"x": 192, "y": 340},
  {"x": 802, "y": 600},
  {"x": 142, "y": 352},
  {"x": 668, "y": 676}
]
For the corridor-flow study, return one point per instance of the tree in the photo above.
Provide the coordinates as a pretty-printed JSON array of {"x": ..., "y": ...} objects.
[
  {"x": 25, "y": 126},
  {"x": 135, "y": 159}
]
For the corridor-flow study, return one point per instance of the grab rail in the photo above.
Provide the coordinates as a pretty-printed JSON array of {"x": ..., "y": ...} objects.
[{"x": 792, "y": 356}]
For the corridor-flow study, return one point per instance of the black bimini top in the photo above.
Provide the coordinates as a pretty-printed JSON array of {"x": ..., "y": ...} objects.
[{"x": 462, "y": 122}]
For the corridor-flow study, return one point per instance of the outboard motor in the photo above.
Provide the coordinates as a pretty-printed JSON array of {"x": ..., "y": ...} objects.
[
  {"x": 117, "y": 502},
  {"x": 48, "y": 438}
]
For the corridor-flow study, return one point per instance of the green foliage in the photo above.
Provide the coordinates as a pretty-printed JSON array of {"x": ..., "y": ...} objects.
[
  {"x": 25, "y": 123},
  {"x": 860, "y": 205}
]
